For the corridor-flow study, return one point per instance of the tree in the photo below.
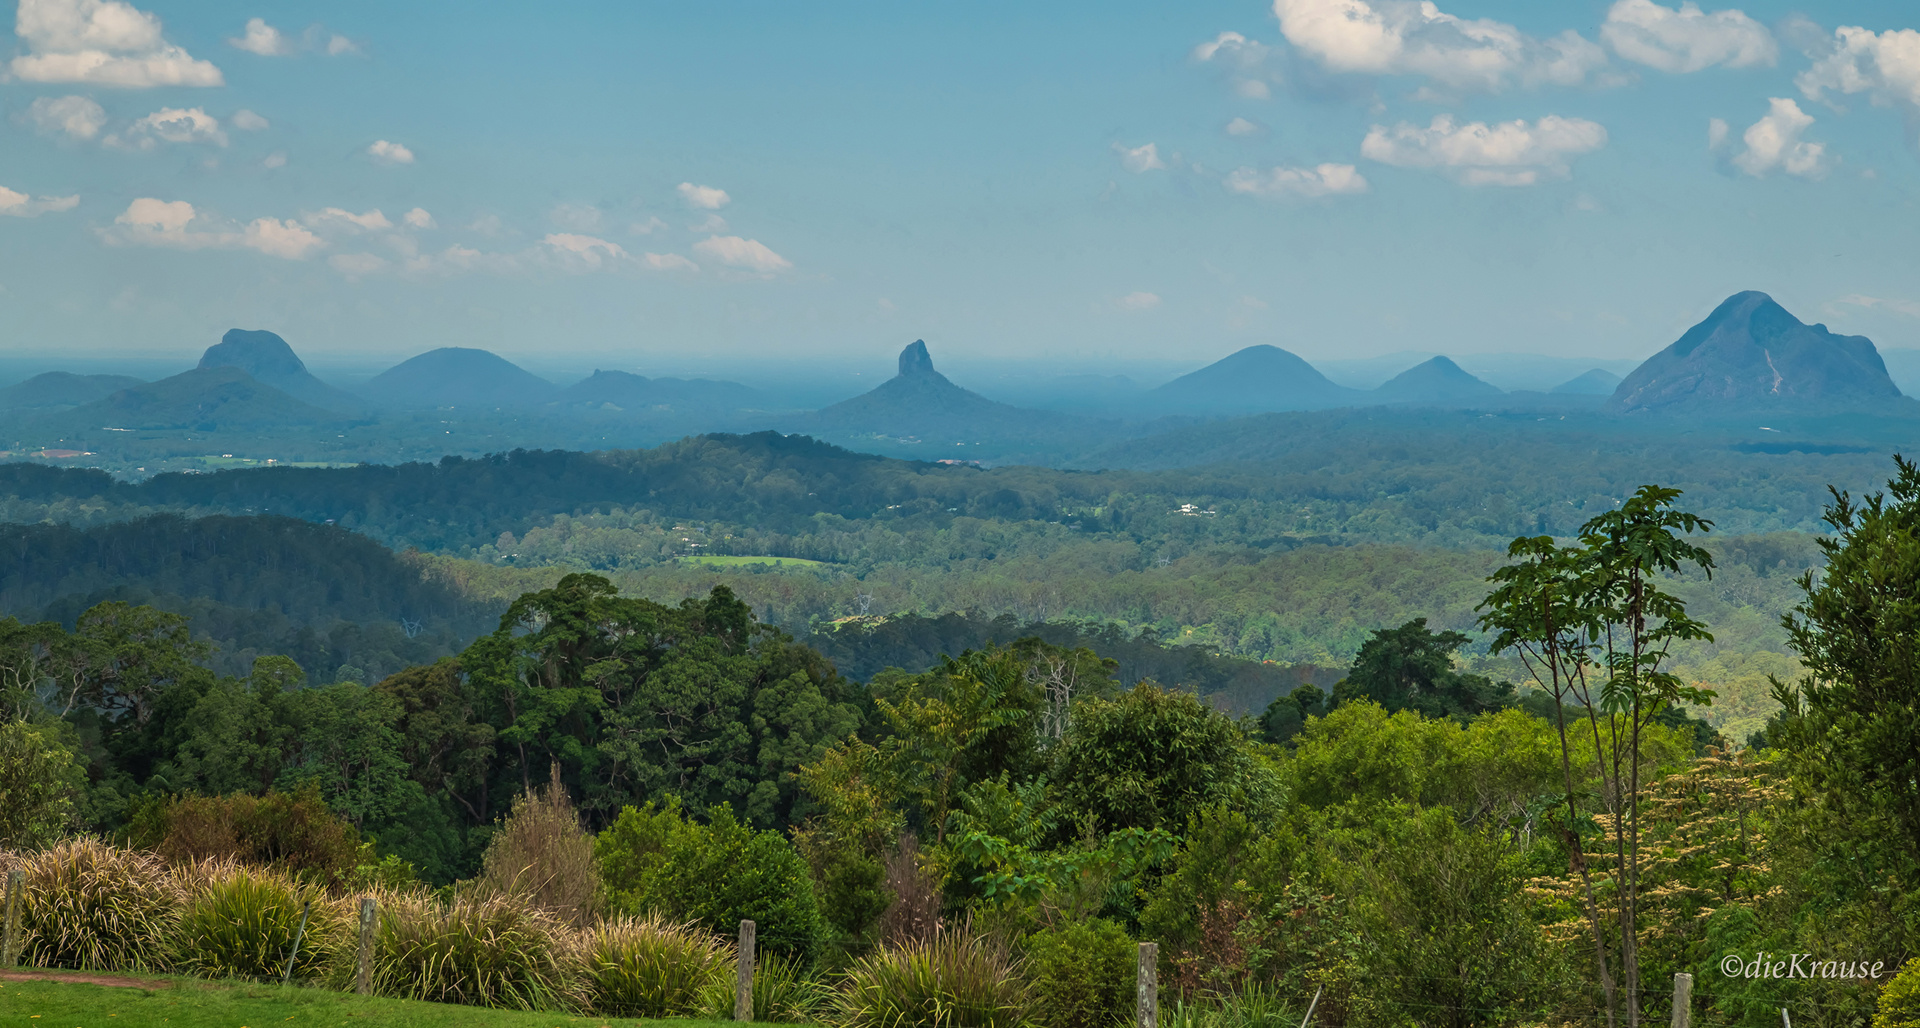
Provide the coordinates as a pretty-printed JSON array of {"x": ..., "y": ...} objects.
[
  {"x": 39, "y": 778},
  {"x": 1411, "y": 668}
]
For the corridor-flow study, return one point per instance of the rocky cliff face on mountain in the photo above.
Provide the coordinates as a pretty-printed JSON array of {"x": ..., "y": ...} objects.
[
  {"x": 1437, "y": 382},
  {"x": 267, "y": 359},
  {"x": 457, "y": 376},
  {"x": 1751, "y": 354},
  {"x": 1256, "y": 380}
]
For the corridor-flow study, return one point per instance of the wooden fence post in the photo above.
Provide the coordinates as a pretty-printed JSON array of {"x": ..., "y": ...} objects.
[
  {"x": 363, "y": 972},
  {"x": 1147, "y": 986},
  {"x": 9, "y": 946},
  {"x": 1682, "y": 1000},
  {"x": 743, "y": 987}
]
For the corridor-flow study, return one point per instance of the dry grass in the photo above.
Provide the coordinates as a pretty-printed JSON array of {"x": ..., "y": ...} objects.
[{"x": 543, "y": 856}]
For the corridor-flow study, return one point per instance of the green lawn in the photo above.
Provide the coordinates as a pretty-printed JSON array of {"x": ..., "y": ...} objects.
[
  {"x": 722, "y": 561},
  {"x": 197, "y": 1004}
]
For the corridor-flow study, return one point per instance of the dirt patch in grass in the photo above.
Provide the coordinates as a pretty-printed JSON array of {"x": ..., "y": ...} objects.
[{"x": 119, "y": 981}]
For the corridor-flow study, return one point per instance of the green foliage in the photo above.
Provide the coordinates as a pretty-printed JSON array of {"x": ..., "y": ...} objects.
[
  {"x": 783, "y": 993},
  {"x": 486, "y": 953},
  {"x": 290, "y": 832},
  {"x": 541, "y": 856},
  {"x": 91, "y": 906},
  {"x": 1082, "y": 974},
  {"x": 241, "y": 923},
  {"x": 649, "y": 967},
  {"x": 954, "y": 980},
  {"x": 1899, "y": 1005},
  {"x": 1152, "y": 759},
  {"x": 847, "y": 840},
  {"x": 1411, "y": 668},
  {"x": 40, "y": 779},
  {"x": 655, "y": 860}
]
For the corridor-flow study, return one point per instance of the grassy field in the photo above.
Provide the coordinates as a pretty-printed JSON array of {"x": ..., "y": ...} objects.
[
  {"x": 723, "y": 561},
  {"x": 190, "y": 1003}
]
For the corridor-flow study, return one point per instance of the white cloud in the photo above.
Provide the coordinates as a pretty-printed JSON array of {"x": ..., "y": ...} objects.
[
  {"x": 1687, "y": 39},
  {"x": 1241, "y": 58},
  {"x": 584, "y": 251},
  {"x": 736, "y": 252},
  {"x": 104, "y": 42},
  {"x": 171, "y": 125},
  {"x": 1906, "y": 307},
  {"x": 15, "y": 204},
  {"x": 1774, "y": 142},
  {"x": 1717, "y": 130},
  {"x": 77, "y": 117},
  {"x": 1138, "y": 302},
  {"x": 341, "y": 46},
  {"x": 705, "y": 198},
  {"x": 389, "y": 153},
  {"x": 667, "y": 262},
  {"x": 371, "y": 221},
  {"x": 263, "y": 39},
  {"x": 1324, "y": 180},
  {"x": 1404, "y": 37},
  {"x": 1139, "y": 159},
  {"x": 151, "y": 222},
  {"x": 357, "y": 265},
  {"x": 1511, "y": 153},
  {"x": 277, "y": 159},
  {"x": 418, "y": 218},
  {"x": 575, "y": 217},
  {"x": 1242, "y": 127},
  {"x": 247, "y": 121},
  {"x": 712, "y": 224},
  {"x": 1885, "y": 66},
  {"x": 648, "y": 227}
]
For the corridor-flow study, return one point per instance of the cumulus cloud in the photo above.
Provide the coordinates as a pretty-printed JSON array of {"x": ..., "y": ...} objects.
[
  {"x": 1140, "y": 158},
  {"x": 1687, "y": 39},
  {"x": 1323, "y": 180},
  {"x": 247, "y": 121},
  {"x": 1242, "y": 59},
  {"x": 1905, "y": 307},
  {"x": 575, "y": 217},
  {"x": 1774, "y": 142},
  {"x": 667, "y": 262},
  {"x": 263, "y": 39},
  {"x": 1242, "y": 127},
  {"x": 418, "y": 218},
  {"x": 705, "y": 198},
  {"x": 1885, "y": 66},
  {"x": 389, "y": 153},
  {"x": 749, "y": 254},
  {"x": 1405, "y": 37},
  {"x": 103, "y": 42},
  {"x": 648, "y": 227},
  {"x": 712, "y": 224},
  {"x": 1134, "y": 302},
  {"x": 277, "y": 159},
  {"x": 170, "y": 125},
  {"x": 357, "y": 265},
  {"x": 587, "y": 252},
  {"x": 177, "y": 225},
  {"x": 1512, "y": 153},
  {"x": 15, "y": 204},
  {"x": 371, "y": 221},
  {"x": 341, "y": 46},
  {"x": 1717, "y": 130},
  {"x": 76, "y": 117}
]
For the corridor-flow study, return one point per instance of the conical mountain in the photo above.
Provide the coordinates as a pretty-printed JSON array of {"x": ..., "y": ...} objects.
[
  {"x": 1438, "y": 382},
  {"x": 1255, "y": 380},
  {"x": 627, "y": 391},
  {"x": 456, "y": 376},
  {"x": 1750, "y": 353},
  {"x": 204, "y": 399},
  {"x": 63, "y": 389},
  {"x": 1598, "y": 382},
  {"x": 267, "y": 359}
]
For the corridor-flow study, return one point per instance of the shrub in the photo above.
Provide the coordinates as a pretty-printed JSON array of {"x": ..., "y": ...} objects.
[
  {"x": 783, "y": 992},
  {"x": 954, "y": 980},
  {"x": 649, "y": 967},
  {"x": 914, "y": 914},
  {"x": 1900, "y": 999},
  {"x": 1082, "y": 974},
  {"x": 91, "y": 906},
  {"x": 39, "y": 778},
  {"x": 241, "y": 923},
  {"x": 542, "y": 855},
  {"x": 490, "y": 952},
  {"x": 292, "y": 832}
]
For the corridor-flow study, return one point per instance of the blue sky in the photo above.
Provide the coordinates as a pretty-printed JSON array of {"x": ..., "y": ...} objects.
[{"x": 1073, "y": 181}]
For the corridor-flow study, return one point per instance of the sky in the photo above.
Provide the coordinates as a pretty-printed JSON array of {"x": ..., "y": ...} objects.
[{"x": 653, "y": 185}]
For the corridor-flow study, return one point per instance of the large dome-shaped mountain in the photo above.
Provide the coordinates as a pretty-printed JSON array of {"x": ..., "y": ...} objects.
[
  {"x": 457, "y": 376},
  {"x": 267, "y": 359},
  {"x": 1256, "y": 380},
  {"x": 628, "y": 391},
  {"x": 1750, "y": 353}
]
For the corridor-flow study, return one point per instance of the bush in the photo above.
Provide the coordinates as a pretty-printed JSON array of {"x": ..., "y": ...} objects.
[
  {"x": 39, "y": 778},
  {"x": 242, "y": 921},
  {"x": 655, "y": 860},
  {"x": 1900, "y": 999},
  {"x": 489, "y": 952},
  {"x": 1082, "y": 974},
  {"x": 783, "y": 992},
  {"x": 95, "y": 907},
  {"x": 648, "y": 967},
  {"x": 954, "y": 980},
  {"x": 291, "y": 832},
  {"x": 541, "y": 854}
]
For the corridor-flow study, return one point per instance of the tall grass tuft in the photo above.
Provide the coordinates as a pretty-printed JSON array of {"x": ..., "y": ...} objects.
[
  {"x": 953, "y": 980},
  {"x": 240, "y": 922},
  {"x": 96, "y": 907},
  {"x": 783, "y": 991},
  {"x": 651, "y": 967},
  {"x": 491, "y": 952},
  {"x": 543, "y": 855}
]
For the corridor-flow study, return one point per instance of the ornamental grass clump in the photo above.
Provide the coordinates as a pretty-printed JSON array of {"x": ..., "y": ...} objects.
[
  {"x": 953, "y": 980},
  {"x": 783, "y": 991},
  {"x": 491, "y": 952},
  {"x": 95, "y": 907},
  {"x": 651, "y": 967},
  {"x": 241, "y": 922}
]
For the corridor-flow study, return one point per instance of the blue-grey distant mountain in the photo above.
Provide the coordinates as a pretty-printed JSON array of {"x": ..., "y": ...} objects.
[
  {"x": 1256, "y": 380},
  {"x": 1598, "y": 382},
  {"x": 629, "y": 392},
  {"x": 267, "y": 359},
  {"x": 457, "y": 376},
  {"x": 1438, "y": 382},
  {"x": 62, "y": 389},
  {"x": 1751, "y": 354},
  {"x": 204, "y": 399}
]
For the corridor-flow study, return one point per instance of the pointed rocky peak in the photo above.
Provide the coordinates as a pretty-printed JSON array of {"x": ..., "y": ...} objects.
[
  {"x": 261, "y": 354},
  {"x": 914, "y": 360}
]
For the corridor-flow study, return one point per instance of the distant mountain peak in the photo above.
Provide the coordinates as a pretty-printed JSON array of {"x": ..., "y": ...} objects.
[
  {"x": 257, "y": 352},
  {"x": 1436, "y": 381},
  {"x": 1252, "y": 380},
  {"x": 914, "y": 360}
]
